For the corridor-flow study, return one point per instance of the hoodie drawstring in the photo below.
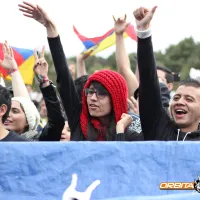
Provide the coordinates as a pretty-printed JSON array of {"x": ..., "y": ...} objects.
[
  {"x": 178, "y": 135},
  {"x": 184, "y": 136}
]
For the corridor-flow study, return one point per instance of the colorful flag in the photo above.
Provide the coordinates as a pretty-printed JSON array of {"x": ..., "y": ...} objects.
[
  {"x": 100, "y": 43},
  {"x": 25, "y": 61}
]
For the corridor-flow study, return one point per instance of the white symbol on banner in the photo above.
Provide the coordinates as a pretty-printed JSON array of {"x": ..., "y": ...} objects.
[{"x": 71, "y": 193}]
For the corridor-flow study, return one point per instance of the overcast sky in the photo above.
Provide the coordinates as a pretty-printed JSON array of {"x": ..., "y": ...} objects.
[{"x": 173, "y": 21}]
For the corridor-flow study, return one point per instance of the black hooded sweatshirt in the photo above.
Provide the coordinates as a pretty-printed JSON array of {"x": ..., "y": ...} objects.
[
  {"x": 70, "y": 97},
  {"x": 156, "y": 122}
]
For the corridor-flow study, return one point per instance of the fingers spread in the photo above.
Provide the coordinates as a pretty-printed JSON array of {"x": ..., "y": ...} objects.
[
  {"x": 26, "y": 11},
  {"x": 4, "y": 48},
  {"x": 21, "y": 6},
  {"x": 154, "y": 9},
  {"x": 43, "y": 52},
  {"x": 35, "y": 55},
  {"x": 11, "y": 52},
  {"x": 114, "y": 18},
  {"x": 29, "y": 5},
  {"x": 7, "y": 47},
  {"x": 125, "y": 17},
  {"x": 28, "y": 15}
]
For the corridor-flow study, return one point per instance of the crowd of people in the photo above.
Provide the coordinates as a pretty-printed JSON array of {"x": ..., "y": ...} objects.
[{"x": 105, "y": 106}]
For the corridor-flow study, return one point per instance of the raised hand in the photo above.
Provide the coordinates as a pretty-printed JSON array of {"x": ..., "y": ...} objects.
[
  {"x": 35, "y": 12},
  {"x": 124, "y": 122},
  {"x": 80, "y": 62},
  {"x": 8, "y": 62},
  {"x": 84, "y": 56},
  {"x": 120, "y": 25},
  {"x": 143, "y": 17},
  {"x": 71, "y": 192},
  {"x": 41, "y": 68}
]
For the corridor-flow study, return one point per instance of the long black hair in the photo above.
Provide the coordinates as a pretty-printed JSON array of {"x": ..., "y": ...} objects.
[{"x": 111, "y": 128}]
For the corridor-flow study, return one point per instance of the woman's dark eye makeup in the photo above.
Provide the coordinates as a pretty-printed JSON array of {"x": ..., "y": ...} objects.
[{"x": 15, "y": 110}]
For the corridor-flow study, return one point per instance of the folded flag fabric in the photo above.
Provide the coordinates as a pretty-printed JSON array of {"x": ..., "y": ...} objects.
[
  {"x": 100, "y": 43},
  {"x": 25, "y": 61}
]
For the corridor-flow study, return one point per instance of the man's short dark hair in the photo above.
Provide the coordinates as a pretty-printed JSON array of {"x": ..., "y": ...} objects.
[
  {"x": 6, "y": 100},
  {"x": 168, "y": 73},
  {"x": 190, "y": 82}
]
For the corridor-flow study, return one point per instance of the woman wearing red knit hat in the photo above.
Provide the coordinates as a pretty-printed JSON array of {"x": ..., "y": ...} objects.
[
  {"x": 101, "y": 115},
  {"x": 104, "y": 105}
]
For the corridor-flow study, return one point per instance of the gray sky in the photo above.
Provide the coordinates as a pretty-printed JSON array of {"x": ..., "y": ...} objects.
[{"x": 173, "y": 21}]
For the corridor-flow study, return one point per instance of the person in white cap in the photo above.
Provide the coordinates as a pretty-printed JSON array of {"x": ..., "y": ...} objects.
[
  {"x": 27, "y": 126},
  {"x": 5, "y": 105},
  {"x": 24, "y": 117}
]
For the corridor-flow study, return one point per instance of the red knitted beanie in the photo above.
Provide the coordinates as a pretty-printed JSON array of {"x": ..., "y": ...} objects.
[{"x": 116, "y": 86}]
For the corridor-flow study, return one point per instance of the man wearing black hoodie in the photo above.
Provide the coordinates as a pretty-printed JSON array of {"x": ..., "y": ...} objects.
[
  {"x": 185, "y": 107},
  {"x": 5, "y": 105}
]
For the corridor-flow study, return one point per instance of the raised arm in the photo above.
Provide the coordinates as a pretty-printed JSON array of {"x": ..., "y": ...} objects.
[
  {"x": 150, "y": 103},
  {"x": 65, "y": 83},
  {"x": 122, "y": 59},
  {"x": 52, "y": 131},
  {"x": 80, "y": 64},
  {"x": 11, "y": 67}
]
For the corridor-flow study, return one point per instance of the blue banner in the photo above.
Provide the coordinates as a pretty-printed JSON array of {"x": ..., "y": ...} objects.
[{"x": 43, "y": 171}]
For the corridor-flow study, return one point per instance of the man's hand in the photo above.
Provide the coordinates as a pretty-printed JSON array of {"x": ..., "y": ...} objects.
[
  {"x": 8, "y": 62},
  {"x": 120, "y": 25},
  {"x": 35, "y": 12},
  {"x": 143, "y": 17},
  {"x": 71, "y": 192}
]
